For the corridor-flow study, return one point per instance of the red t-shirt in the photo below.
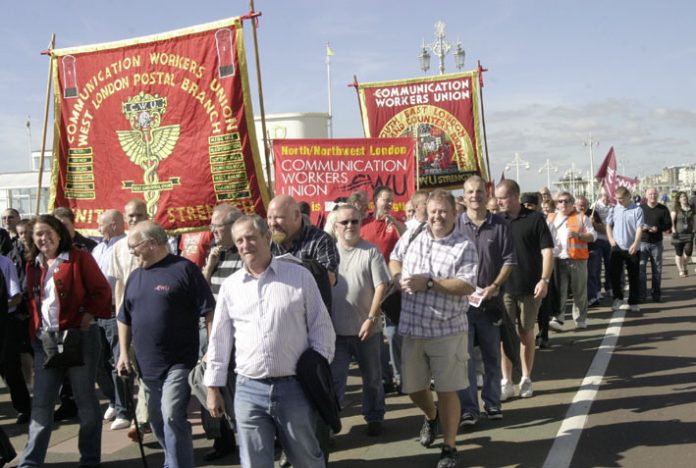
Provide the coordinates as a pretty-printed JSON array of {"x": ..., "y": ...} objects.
[
  {"x": 195, "y": 246},
  {"x": 383, "y": 235}
]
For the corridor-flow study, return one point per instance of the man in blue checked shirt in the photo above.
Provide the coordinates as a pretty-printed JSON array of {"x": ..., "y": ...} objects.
[{"x": 435, "y": 271}]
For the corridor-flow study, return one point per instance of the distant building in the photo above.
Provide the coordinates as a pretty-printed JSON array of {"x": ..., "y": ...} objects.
[{"x": 19, "y": 190}]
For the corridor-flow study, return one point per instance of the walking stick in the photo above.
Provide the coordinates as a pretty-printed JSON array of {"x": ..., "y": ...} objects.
[{"x": 130, "y": 407}]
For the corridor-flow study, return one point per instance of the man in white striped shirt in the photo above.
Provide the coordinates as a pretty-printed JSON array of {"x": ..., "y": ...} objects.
[{"x": 271, "y": 311}]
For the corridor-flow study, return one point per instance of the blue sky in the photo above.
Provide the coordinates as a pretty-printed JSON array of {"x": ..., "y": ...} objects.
[{"x": 623, "y": 70}]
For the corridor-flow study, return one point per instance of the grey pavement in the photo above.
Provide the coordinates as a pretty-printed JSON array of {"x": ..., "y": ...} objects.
[{"x": 643, "y": 414}]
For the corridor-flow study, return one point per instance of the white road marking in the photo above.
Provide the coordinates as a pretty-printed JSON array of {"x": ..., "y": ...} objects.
[{"x": 563, "y": 448}]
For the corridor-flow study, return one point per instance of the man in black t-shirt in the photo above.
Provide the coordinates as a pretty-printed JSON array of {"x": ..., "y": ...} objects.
[
  {"x": 528, "y": 283},
  {"x": 656, "y": 219}
]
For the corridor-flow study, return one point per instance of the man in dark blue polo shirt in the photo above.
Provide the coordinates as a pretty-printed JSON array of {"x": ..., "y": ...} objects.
[
  {"x": 496, "y": 257},
  {"x": 162, "y": 304},
  {"x": 528, "y": 282}
]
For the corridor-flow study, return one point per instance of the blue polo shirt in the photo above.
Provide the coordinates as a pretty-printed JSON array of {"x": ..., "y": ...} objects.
[
  {"x": 624, "y": 223},
  {"x": 162, "y": 305}
]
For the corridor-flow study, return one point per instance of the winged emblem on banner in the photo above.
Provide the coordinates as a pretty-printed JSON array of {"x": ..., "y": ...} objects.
[{"x": 147, "y": 144}]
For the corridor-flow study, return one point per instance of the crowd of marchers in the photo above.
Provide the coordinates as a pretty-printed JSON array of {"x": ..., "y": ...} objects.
[{"x": 261, "y": 318}]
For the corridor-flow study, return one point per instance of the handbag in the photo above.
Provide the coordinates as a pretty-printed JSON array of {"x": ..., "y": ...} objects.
[
  {"x": 391, "y": 302},
  {"x": 62, "y": 349}
]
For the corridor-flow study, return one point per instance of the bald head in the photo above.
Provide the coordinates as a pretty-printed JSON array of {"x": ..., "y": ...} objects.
[
  {"x": 284, "y": 219},
  {"x": 136, "y": 211},
  {"x": 111, "y": 224}
]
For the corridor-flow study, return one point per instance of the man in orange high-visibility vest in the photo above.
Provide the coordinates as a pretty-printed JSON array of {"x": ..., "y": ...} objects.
[{"x": 572, "y": 232}]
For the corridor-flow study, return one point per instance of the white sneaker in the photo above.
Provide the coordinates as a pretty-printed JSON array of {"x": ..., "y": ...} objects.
[
  {"x": 617, "y": 304},
  {"x": 635, "y": 308},
  {"x": 556, "y": 325},
  {"x": 624, "y": 305},
  {"x": 110, "y": 413},
  {"x": 526, "y": 390},
  {"x": 506, "y": 390},
  {"x": 120, "y": 423}
]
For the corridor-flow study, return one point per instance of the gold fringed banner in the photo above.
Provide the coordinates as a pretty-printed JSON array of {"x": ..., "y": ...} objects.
[
  {"x": 441, "y": 112},
  {"x": 164, "y": 118}
]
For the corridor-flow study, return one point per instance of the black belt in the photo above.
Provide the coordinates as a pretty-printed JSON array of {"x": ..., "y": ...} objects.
[{"x": 273, "y": 380}]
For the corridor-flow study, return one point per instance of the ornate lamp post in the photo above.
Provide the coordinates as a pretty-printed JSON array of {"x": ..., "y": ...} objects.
[
  {"x": 440, "y": 47},
  {"x": 517, "y": 161},
  {"x": 548, "y": 167}
]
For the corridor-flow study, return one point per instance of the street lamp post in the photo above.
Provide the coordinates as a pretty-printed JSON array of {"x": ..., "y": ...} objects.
[
  {"x": 517, "y": 161},
  {"x": 548, "y": 167},
  {"x": 592, "y": 144},
  {"x": 440, "y": 47}
]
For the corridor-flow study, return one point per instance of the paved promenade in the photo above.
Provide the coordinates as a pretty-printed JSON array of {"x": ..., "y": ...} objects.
[{"x": 620, "y": 393}]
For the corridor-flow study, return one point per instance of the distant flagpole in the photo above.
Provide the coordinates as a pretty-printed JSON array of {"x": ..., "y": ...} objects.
[{"x": 329, "y": 54}]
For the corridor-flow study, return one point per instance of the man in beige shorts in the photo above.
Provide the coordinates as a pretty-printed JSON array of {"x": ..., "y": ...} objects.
[{"x": 435, "y": 270}]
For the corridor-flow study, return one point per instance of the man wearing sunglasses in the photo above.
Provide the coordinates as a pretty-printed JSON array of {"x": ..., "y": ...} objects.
[
  {"x": 573, "y": 232},
  {"x": 362, "y": 282}
]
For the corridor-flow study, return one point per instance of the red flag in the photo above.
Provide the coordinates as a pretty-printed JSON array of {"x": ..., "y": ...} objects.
[
  {"x": 607, "y": 175},
  {"x": 629, "y": 182}
]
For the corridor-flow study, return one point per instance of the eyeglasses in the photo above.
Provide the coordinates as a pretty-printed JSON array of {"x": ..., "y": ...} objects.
[
  {"x": 565, "y": 200},
  {"x": 133, "y": 247},
  {"x": 346, "y": 222}
]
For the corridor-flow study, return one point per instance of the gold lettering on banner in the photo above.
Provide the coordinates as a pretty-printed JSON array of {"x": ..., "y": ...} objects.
[
  {"x": 229, "y": 172},
  {"x": 79, "y": 183},
  {"x": 148, "y": 144}
]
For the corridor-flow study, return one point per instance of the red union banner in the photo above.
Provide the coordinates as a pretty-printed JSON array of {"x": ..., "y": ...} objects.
[
  {"x": 320, "y": 171},
  {"x": 164, "y": 118},
  {"x": 441, "y": 112}
]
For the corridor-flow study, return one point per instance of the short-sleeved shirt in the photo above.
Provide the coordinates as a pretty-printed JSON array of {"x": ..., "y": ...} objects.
[
  {"x": 380, "y": 233},
  {"x": 162, "y": 305},
  {"x": 361, "y": 270},
  {"x": 493, "y": 245},
  {"x": 530, "y": 235},
  {"x": 624, "y": 223},
  {"x": 432, "y": 314}
]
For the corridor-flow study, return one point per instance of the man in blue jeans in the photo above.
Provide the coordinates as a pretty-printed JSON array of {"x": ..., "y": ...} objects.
[
  {"x": 271, "y": 311},
  {"x": 656, "y": 220},
  {"x": 161, "y": 308},
  {"x": 362, "y": 281},
  {"x": 496, "y": 256}
]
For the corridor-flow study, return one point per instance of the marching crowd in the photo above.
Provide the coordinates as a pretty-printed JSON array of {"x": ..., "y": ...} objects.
[{"x": 263, "y": 324}]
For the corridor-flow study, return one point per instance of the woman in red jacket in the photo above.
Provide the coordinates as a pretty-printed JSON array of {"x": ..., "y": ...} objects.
[{"x": 67, "y": 291}]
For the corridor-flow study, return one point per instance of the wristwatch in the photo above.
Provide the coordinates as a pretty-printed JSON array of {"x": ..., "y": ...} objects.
[
  {"x": 429, "y": 285},
  {"x": 545, "y": 280},
  {"x": 373, "y": 318}
]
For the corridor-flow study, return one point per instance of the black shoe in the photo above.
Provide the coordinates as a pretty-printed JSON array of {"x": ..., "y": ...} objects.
[
  {"x": 389, "y": 387},
  {"x": 222, "y": 446},
  {"x": 66, "y": 411},
  {"x": 23, "y": 418},
  {"x": 374, "y": 428},
  {"x": 216, "y": 454},
  {"x": 428, "y": 432},
  {"x": 657, "y": 299},
  {"x": 448, "y": 457}
]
